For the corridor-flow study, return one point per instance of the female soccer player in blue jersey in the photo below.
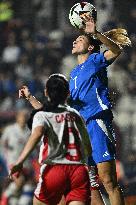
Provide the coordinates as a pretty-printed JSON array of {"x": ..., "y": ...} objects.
[{"x": 89, "y": 95}]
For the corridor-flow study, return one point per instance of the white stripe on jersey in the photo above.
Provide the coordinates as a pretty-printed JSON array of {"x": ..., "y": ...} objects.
[
  {"x": 104, "y": 107},
  {"x": 41, "y": 150}
]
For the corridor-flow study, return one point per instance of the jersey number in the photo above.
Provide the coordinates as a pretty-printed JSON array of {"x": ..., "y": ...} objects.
[
  {"x": 72, "y": 144},
  {"x": 75, "y": 82}
]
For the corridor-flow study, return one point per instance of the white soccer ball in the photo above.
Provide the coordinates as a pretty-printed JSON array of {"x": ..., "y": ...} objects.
[{"x": 77, "y": 10}]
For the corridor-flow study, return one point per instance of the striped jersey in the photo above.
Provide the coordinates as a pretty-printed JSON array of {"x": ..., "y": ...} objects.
[{"x": 65, "y": 137}]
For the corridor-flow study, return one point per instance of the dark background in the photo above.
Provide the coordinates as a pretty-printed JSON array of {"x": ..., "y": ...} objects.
[{"x": 41, "y": 36}]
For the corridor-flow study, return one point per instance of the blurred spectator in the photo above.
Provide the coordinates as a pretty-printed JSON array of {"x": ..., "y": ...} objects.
[
  {"x": 7, "y": 91},
  {"x": 36, "y": 86},
  {"x": 11, "y": 51},
  {"x": 23, "y": 70},
  {"x": 14, "y": 137},
  {"x": 13, "y": 140},
  {"x": 6, "y": 14},
  {"x": 36, "y": 41}
]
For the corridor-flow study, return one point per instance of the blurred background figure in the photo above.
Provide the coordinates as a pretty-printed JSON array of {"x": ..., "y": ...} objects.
[
  {"x": 13, "y": 140},
  {"x": 40, "y": 36}
]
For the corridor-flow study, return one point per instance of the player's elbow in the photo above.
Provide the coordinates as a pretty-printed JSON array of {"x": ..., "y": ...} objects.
[{"x": 113, "y": 54}]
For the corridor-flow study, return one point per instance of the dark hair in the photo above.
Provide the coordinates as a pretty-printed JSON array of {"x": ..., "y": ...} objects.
[
  {"x": 94, "y": 15},
  {"x": 58, "y": 89},
  {"x": 95, "y": 42}
]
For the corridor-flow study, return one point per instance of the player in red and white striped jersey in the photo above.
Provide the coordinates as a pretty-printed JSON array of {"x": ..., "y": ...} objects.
[{"x": 64, "y": 147}]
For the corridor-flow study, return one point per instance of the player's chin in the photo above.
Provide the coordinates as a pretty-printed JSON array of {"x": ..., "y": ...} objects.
[{"x": 74, "y": 51}]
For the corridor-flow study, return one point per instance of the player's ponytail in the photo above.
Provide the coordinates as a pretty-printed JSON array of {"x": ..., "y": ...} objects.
[{"x": 119, "y": 36}]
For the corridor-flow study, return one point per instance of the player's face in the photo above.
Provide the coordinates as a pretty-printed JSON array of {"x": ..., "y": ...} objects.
[{"x": 80, "y": 45}]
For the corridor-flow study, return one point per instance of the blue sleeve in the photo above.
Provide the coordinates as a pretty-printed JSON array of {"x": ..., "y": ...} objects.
[
  {"x": 74, "y": 104},
  {"x": 100, "y": 61}
]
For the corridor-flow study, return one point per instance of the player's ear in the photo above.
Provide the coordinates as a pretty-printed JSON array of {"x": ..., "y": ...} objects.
[
  {"x": 45, "y": 92},
  {"x": 90, "y": 48},
  {"x": 68, "y": 93}
]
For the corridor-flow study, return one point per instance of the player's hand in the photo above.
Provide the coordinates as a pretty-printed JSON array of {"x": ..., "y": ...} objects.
[
  {"x": 24, "y": 92},
  {"x": 90, "y": 25},
  {"x": 15, "y": 170}
]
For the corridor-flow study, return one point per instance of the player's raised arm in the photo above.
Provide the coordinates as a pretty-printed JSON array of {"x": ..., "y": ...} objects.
[
  {"x": 25, "y": 93},
  {"x": 114, "y": 49}
]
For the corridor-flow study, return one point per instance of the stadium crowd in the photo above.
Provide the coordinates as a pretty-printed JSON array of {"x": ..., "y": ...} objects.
[{"x": 35, "y": 41}]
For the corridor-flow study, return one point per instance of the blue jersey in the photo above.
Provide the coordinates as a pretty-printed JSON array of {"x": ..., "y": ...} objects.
[{"x": 89, "y": 86}]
